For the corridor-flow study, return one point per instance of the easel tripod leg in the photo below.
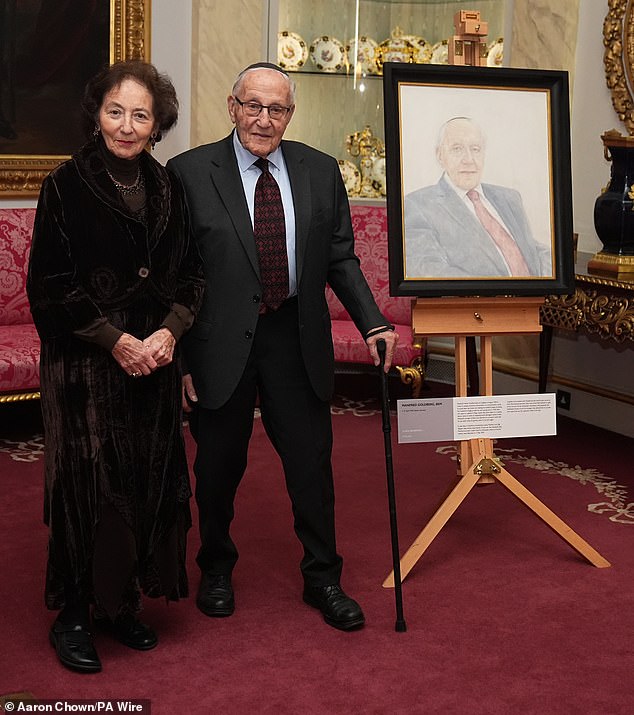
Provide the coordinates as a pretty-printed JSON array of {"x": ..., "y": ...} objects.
[
  {"x": 434, "y": 525},
  {"x": 551, "y": 519}
]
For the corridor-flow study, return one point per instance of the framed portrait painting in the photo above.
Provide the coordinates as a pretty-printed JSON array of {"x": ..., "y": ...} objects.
[
  {"x": 478, "y": 181},
  {"x": 48, "y": 51}
]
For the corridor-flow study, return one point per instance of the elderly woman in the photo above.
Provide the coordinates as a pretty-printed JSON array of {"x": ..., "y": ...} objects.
[{"x": 113, "y": 284}]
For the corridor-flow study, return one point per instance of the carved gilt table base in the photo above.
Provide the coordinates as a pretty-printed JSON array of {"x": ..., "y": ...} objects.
[{"x": 599, "y": 306}]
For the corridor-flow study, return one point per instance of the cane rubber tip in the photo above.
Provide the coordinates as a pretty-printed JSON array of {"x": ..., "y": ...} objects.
[{"x": 400, "y": 627}]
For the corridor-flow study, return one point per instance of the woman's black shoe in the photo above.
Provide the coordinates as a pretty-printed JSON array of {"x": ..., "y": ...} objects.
[
  {"x": 74, "y": 647},
  {"x": 130, "y": 631}
]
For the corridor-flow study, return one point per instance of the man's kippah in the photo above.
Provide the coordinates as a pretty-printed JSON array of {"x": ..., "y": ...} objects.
[{"x": 266, "y": 66}]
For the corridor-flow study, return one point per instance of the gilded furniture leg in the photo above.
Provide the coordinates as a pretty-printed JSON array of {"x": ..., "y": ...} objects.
[{"x": 415, "y": 373}]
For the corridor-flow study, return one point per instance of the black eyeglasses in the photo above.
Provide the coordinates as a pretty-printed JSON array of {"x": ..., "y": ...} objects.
[{"x": 253, "y": 109}]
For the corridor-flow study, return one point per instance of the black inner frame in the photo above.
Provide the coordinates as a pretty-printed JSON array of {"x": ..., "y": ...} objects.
[{"x": 553, "y": 81}]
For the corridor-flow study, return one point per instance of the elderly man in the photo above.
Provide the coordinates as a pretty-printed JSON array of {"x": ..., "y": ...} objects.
[
  {"x": 461, "y": 227},
  {"x": 272, "y": 221}
]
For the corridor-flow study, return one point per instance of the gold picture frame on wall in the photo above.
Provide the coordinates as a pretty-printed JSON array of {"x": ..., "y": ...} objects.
[
  {"x": 51, "y": 52},
  {"x": 618, "y": 58}
]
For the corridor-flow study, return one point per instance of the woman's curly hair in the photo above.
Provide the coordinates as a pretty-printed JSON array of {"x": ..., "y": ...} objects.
[{"x": 164, "y": 100}]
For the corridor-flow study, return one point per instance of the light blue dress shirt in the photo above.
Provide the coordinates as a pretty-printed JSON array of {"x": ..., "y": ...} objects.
[{"x": 249, "y": 173}]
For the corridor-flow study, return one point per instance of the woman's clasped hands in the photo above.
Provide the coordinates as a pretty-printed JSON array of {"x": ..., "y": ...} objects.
[{"x": 142, "y": 357}]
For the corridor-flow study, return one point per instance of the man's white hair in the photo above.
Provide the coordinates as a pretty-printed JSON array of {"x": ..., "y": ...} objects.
[{"x": 443, "y": 130}]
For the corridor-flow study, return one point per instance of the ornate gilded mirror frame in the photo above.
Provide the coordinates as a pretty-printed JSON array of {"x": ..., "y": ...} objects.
[
  {"x": 21, "y": 175},
  {"x": 618, "y": 58}
]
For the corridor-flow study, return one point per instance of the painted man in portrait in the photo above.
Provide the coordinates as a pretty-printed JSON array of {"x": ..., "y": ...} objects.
[{"x": 461, "y": 227}]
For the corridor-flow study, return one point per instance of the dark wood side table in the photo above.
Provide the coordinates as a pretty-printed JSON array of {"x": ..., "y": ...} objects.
[{"x": 599, "y": 306}]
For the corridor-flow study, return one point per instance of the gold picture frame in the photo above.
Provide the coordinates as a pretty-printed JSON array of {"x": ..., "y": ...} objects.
[
  {"x": 618, "y": 58},
  {"x": 21, "y": 174}
]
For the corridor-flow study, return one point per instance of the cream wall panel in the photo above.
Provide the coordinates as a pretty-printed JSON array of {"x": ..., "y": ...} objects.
[
  {"x": 592, "y": 114},
  {"x": 545, "y": 34},
  {"x": 171, "y": 32},
  {"x": 544, "y": 37},
  {"x": 226, "y": 37}
]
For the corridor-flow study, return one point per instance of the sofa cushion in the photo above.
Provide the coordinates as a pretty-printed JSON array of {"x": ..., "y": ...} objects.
[
  {"x": 19, "y": 358},
  {"x": 370, "y": 242},
  {"x": 349, "y": 346},
  {"x": 19, "y": 342},
  {"x": 16, "y": 226}
]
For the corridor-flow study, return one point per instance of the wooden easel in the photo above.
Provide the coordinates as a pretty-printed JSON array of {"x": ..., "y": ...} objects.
[{"x": 483, "y": 317}]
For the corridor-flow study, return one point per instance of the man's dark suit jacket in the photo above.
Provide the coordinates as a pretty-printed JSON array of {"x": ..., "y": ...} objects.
[
  {"x": 444, "y": 239},
  {"x": 218, "y": 345}
]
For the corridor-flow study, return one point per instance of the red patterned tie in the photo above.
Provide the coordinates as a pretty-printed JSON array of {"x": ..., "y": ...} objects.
[
  {"x": 503, "y": 240},
  {"x": 269, "y": 229}
]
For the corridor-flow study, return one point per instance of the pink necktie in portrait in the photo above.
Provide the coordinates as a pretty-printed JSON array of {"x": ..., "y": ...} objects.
[{"x": 503, "y": 240}]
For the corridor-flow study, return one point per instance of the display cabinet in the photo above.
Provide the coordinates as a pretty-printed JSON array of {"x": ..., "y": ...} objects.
[{"x": 335, "y": 50}]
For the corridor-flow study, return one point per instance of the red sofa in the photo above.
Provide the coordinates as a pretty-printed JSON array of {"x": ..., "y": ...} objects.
[
  {"x": 20, "y": 346},
  {"x": 370, "y": 235},
  {"x": 19, "y": 342}
]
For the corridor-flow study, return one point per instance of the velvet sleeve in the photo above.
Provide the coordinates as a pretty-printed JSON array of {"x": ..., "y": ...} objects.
[
  {"x": 190, "y": 282},
  {"x": 178, "y": 321},
  {"x": 59, "y": 304},
  {"x": 101, "y": 332}
]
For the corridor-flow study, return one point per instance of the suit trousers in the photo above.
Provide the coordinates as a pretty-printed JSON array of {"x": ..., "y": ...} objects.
[{"x": 298, "y": 425}]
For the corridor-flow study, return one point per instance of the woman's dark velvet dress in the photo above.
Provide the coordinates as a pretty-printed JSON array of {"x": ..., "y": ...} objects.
[{"x": 117, "y": 486}]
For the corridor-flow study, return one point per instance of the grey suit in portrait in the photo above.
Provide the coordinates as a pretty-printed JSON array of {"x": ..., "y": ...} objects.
[{"x": 444, "y": 239}]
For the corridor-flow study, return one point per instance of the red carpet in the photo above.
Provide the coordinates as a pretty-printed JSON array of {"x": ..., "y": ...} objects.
[{"x": 502, "y": 615}]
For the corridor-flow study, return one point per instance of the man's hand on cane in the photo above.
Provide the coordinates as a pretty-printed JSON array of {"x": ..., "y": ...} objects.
[{"x": 391, "y": 341}]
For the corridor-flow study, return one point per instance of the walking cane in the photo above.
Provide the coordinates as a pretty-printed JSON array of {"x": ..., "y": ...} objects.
[{"x": 400, "y": 625}]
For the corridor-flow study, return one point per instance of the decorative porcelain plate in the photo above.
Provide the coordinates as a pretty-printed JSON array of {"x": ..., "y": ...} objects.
[
  {"x": 396, "y": 49},
  {"x": 328, "y": 54},
  {"x": 495, "y": 55},
  {"x": 421, "y": 52},
  {"x": 292, "y": 52},
  {"x": 440, "y": 53},
  {"x": 378, "y": 175},
  {"x": 351, "y": 176},
  {"x": 363, "y": 55}
]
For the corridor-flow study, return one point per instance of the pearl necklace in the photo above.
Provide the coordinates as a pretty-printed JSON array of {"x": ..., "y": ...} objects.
[{"x": 126, "y": 190}]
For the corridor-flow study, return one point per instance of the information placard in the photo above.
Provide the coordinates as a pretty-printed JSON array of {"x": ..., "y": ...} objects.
[{"x": 464, "y": 418}]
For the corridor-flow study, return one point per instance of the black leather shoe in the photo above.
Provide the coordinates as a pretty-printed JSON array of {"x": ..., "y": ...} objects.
[
  {"x": 127, "y": 629},
  {"x": 215, "y": 595},
  {"x": 339, "y": 610},
  {"x": 74, "y": 647}
]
